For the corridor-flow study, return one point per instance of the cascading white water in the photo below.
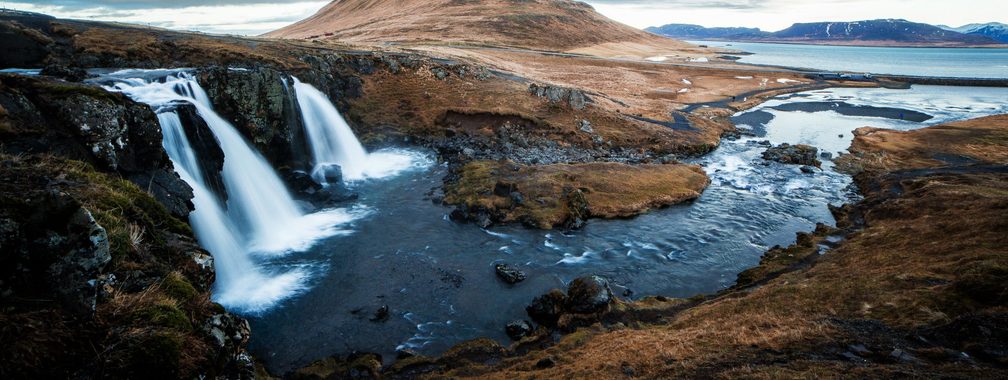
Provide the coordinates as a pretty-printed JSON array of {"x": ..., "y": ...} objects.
[
  {"x": 333, "y": 142},
  {"x": 260, "y": 215}
]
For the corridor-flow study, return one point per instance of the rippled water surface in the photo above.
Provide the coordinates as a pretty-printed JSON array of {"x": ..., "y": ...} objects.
[{"x": 437, "y": 279}]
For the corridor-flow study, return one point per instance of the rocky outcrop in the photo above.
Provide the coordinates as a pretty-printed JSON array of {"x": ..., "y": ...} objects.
[
  {"x": 204, "y": 143},
  {"x": 262, "y": 106},
  {"x": 86, "y": 123},
  {"x": 793, "y": 154},
  {"x": 572, "y": 97}
]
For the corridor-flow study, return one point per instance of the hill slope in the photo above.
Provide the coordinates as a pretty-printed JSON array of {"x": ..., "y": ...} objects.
[
  {"x": 699, "y": 32},
  {"x": 893, "y": 32},
  {"x": 994, "y": 30},
  {"x": 536, "y": 24}
]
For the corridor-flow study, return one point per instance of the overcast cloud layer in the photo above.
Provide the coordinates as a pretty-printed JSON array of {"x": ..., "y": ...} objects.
[{"x": 259, "y": 16}]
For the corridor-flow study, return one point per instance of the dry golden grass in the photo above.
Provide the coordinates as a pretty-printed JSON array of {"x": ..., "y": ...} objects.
[
  {"x": 609, "y": 190},
  {"x": 536, "y": 24}
]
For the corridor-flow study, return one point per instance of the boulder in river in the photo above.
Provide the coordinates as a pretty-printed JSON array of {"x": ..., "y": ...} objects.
[
  {"x": 546, "y": 309},
  {"x": 509, "y": 274},
  {"x": 589, "y": 294},
  {"x": 793, "y": 154},
  {"x": 332, "y": 173}
]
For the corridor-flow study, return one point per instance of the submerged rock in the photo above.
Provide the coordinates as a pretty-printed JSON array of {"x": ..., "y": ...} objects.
[
  {"x": 509, "y": 274},
  {"x": 589, "y": 294},
  {"x": 381, "y": 315},
  {"x": 793, "y": 154}
]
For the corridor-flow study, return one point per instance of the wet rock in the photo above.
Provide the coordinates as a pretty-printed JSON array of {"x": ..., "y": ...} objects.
[
  {"x": 168, "y": 189},
  {"x": 585, "y": 126},
  {"x": 404, "y": 353},
  {"x": 71, "y": 74},
  {"x": 300, "y": 183},
  {"x": 381, "y": 315},
  {"x": 229, "y": 332},
  {"x": 807, "y": 169},
  {"x": 589, "y": 294},
  {"x": 74, "y": 275},
  {"x": 331, "y": 173},
  {"x": 793, "y": 154},
  {"x": 483, "y": 219},
  {"x": 457, "y": 216},
  {"x": 826, "y": 155},
  {"x": 516, "y": 330},
  {"x": 509, "y": 274},
  {"x": 547, "y": 308},
  {"x": 206, "y": 147},
  {"x": 261, "y": 106}
]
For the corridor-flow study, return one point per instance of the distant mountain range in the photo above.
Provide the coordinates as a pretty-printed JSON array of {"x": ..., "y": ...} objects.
[
  {"x": 994, "y": 30},
  {"x": 885, "y": 32}
]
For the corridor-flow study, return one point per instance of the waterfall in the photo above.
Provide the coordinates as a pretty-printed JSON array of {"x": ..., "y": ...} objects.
[
  {"x": 333, "y": 142},
  {"x": 260, "y": 217}
]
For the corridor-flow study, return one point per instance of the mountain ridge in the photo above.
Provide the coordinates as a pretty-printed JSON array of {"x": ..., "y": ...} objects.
[
  {"x": 886, "y": 32},
  {"x": 994, "y": 30},
  {"x": 558, "y": 25}
]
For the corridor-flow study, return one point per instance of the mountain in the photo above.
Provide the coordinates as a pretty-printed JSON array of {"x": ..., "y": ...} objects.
[
  {"x": 691, "y": 31},
  {"x": 993, "y": 30},
  {"x": 884, "y": 32},
  {"x": 536, "y": 24}
]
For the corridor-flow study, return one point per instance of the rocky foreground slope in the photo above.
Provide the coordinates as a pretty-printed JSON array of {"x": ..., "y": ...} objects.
[{"x": 100, "y": 276}]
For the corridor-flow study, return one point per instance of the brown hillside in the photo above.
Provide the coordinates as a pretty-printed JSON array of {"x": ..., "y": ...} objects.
[{"x": 558, "y": 25}]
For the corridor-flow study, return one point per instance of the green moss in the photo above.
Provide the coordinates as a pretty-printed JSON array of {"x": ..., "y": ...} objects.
[
  {"x": 156, "y": 356},
  {"x": 411, "y": 362},
  {"x": 70, "y": 89},
  {"x": 177, "y": 287},
  {"x": 164, "y": 315}
]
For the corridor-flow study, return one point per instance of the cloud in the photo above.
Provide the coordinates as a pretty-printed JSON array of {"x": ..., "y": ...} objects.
[
  {"x": 223, "y": 16},
  {"x": 76, "y": 5}
]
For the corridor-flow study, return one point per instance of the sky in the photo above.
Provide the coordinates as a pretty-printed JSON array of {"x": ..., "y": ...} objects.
[{"x": 259, "y": 16}]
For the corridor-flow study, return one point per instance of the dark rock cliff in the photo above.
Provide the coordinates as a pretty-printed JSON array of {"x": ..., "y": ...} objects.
[{"x": 99, "y": 275}]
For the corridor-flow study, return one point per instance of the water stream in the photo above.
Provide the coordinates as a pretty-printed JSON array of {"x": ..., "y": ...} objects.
[{"x": 394, "y": 247}]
